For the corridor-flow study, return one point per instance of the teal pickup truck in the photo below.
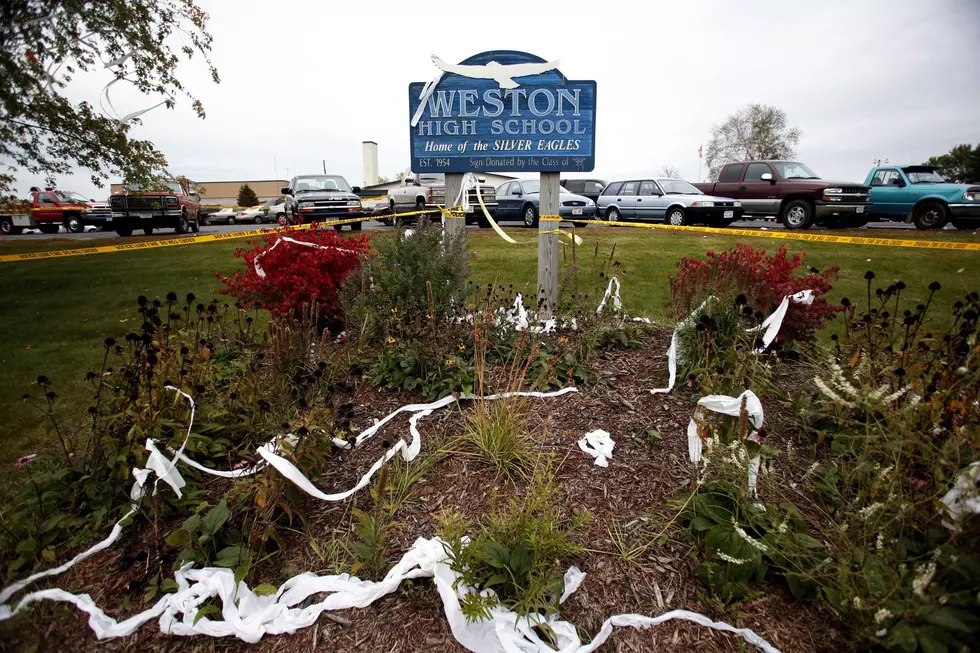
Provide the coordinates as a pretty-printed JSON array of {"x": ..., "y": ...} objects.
[{"x": 919, "y": 194}]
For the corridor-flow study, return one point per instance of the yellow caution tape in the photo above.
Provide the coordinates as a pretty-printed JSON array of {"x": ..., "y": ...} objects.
[{"x": 796, "y": 235}]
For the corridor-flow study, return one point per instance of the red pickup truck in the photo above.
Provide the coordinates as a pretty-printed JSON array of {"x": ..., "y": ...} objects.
[
  {"x": 50, "y": 209},
  {"x": 165, "y": 208},
  {"x": 792, "y": 193}
]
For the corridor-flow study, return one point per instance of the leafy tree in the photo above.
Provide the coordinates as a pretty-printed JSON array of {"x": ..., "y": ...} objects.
[
  {"x": 757, "y": 131},
  {"x": 961, "y": 164},
  {"x": 44, "y": 44},
  {"x": 383, "y": 180},
  {"x": 189, "y": 186},
  {"x": 246, "y": 196},
  {"x": 400, "y": 176},
  {"x": 670, "y": 172}
]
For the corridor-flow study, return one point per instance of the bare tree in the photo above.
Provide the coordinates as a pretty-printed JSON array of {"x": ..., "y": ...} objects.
[
  {"x": 757, "y": 131},
  {"x": 670, "y": 172}
]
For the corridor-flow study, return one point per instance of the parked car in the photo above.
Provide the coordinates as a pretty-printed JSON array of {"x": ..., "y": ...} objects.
[
  {"x": 591, "y": 188},
  {"x": 204, "y": 214},
  {"x": 789, "y": 191},
  {"x": 254, "y": 214},
  {"x": 320, "y": 198},
  {"x": 226, "y": 215},
  {"x": 50, "y": 209},
  {"x": 920, "y": 195},
  {"x": 521, "y": 200},
  {"x": 275, "y": 210},
  {"x": 420, "y": 192},
  {"x": 160, "y": 208},
  {"x": 674, "y": 201}
]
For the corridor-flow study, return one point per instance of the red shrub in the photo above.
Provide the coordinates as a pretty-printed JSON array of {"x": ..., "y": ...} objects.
[
  {"x": 297, "y": 275},
  {"x": 764, "y": 280}
]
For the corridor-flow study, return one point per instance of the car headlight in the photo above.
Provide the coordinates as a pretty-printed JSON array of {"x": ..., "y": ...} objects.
[
  {"x": 736, "y": 204},
  {"x": 971, "y": 196},
  {"x": 833, "y": 191},
  {"x": 589, "y": 203},
  {"x": 306, "y": 205},
  {"x": 353, "y": 203},
  {"x": 703, "y": 204}
]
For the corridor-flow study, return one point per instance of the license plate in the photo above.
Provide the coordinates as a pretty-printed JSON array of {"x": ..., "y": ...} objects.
[
  {"x": 144, "y": 216},
  {"x": 729, "y": 214},
  {"x": 860, "y": 209},
  {"x": 576, "y": 211}
]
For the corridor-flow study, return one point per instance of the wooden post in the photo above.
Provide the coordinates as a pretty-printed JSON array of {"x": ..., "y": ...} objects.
[
  {"x": 455, "y": 227},
  {"x": 548, "y": 245}
]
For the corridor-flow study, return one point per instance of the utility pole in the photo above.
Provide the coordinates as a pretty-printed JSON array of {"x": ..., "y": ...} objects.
[{"x": 324, "y": 166}]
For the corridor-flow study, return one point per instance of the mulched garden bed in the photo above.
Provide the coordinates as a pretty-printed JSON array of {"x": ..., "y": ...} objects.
[{"x": 634, "y": 492}]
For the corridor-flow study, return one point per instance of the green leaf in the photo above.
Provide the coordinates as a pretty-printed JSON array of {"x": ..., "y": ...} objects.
[
  {"x": 192, "y": 522},
  {"x": 521, "y": 560},
  {"x": 930, "y": 644},
  {"x": 902, "y": 638},
  {"x": 947, "y": 618},
  {"x": 496, "y": 579},
  {"x": 230, "y": 556},
  {"x": 497, "y": 555},
  {"x": 243, "y": 569},
  {"x": 207, "y": 611},
  {"x": 701, "y": 523},
  {"x": 179, "y": 539},
  {"x": 265, "y": 589},
  {"x": 169, "y": 585},
  {"x": 216, "y": 518}
]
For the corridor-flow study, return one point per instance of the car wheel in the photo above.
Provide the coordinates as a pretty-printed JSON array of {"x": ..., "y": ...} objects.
[
  {"x": 74, "y": 224},
  {"x": 124, "y": 230},
  {"x": 929, "y": 215},
  {"x": 196, "y": 226},
  {"x": 49, "y": 228},
  {"x": 613, "y": 215},
  {"x": 7, "y": 227},
  {"x": 530, "y": 216},
  {"x": 258, "y": 219},
  {"x": 676, "y": 217},
  {"x": 420, "y": 206},
  {"x": 183, "y": 224},
  {"x": 959, "y": 223},
  {"x": 798, "y": 214},
  {"x": 203, "y": 221},
  {"x": 482, "y": 221},
  {"x": 231, "y": 220}
]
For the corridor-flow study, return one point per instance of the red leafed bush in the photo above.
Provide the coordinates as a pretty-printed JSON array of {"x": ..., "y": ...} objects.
[
  {"x": 763, "y": 280},
  {"x": 297, "y": 275}
]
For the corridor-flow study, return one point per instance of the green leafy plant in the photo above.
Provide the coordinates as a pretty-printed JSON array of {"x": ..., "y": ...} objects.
[
  {"x": 205, "y": 540},
  {"x": 516, "y": 551}
]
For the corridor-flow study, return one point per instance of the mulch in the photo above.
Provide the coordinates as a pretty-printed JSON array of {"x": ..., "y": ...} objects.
[{"x": 632, "y": 496}]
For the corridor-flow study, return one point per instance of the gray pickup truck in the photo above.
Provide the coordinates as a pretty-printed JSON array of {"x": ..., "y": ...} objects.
[{"x": 421, "y": 192}]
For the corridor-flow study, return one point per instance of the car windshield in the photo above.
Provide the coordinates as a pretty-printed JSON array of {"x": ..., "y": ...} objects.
[
  {"x": 678, "y": 187},
  {"x": 794, "y": 170},
  {"x": 70, "y": 196},
  {"x": 924, "y": 176},
  {"x": 535, "y": 187},
  {"x": 156, "y": 187},
  {"x": 323, "y": 183},
  {"x": 272, "y": 202}
]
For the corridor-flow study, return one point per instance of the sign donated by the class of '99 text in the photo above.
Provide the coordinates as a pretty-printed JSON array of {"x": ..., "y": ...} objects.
[{"x": 502, "y": 111}]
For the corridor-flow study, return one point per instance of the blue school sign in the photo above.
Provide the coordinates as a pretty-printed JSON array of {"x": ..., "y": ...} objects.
[{"x": 502, "y": 111}]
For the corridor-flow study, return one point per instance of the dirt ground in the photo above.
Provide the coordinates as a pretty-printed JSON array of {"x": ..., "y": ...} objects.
[{"x": 631, "y": 495}]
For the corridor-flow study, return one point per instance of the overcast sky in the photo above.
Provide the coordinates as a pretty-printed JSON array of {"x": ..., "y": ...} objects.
[{"x": 308, "y": 80}]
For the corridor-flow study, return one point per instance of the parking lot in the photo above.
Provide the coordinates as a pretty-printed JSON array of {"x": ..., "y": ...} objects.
[{"x": 373, "y": 225}]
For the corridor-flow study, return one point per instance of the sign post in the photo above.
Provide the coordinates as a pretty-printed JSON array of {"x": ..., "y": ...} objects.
[
  {"x": 455, "y": 227},
  {"x": 506, "y": 111},
  {"x": 549, "y": 207}
]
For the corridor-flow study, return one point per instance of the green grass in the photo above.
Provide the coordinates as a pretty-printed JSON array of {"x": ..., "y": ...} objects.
[{"x": 55, "y": 313}]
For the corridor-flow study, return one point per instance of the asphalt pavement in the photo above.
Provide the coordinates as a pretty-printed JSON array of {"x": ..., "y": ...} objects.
[{"x": 373, "y": 225}]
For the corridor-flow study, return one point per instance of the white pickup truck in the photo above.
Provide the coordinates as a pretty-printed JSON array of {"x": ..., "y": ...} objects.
[{"x": 427, "y": 191}]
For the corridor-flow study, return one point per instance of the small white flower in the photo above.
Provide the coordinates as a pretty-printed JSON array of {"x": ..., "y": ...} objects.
[
  {"x": 857, "y": 602},
  {"x": 752, "y": 541},
  {"x": 880, "y": 542},
  {"x": 882, "y": 616},
  {"x": 924, "y": 574},
  {"x": 882, "y": 632},
  {"x": 728, "y": 558},
  {"x": 868, "y": 511}
]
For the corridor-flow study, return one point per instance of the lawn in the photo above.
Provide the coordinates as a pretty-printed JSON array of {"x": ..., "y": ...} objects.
[{"x": 55, "y": 313}]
